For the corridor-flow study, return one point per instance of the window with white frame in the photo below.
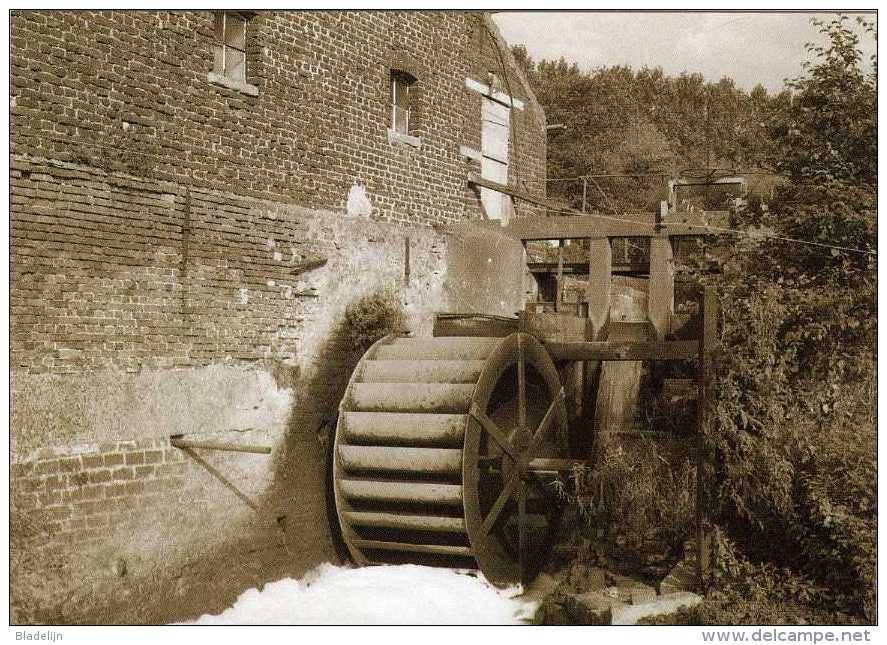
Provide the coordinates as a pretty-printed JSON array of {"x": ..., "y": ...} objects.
[
  {"x": 403, "y": 88},
  {"x": 229, "y": 51},
  {"x": 495, "y": 136}
]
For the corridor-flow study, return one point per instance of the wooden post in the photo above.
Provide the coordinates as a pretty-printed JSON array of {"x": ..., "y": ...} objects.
[
  {"x": 660, "y": 289},
  {"x": 406, "y": 261},
  {"x": 600, "y": 268},
  {"x": 559, "y": 296},
  {"x": 708, "y": 307}
]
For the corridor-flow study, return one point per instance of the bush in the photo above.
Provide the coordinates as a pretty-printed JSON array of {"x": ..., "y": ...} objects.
[
  {"x": 372, "y": 317},
  {"x": 758, "y": 593},
  {"x": 639, "y": 495}
]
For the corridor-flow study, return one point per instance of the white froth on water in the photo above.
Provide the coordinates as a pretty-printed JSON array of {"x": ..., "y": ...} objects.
[{"x": 382, "y": 595}]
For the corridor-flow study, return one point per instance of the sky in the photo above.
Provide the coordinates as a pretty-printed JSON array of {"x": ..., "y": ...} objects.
[{"x": 751, "y": 48}]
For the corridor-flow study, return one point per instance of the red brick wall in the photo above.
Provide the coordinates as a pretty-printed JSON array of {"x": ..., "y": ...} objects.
[{"x": 128, "y": 90}]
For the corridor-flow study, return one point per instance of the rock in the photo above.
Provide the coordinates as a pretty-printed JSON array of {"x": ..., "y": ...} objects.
[
  {"x": 596, "y": 578},
  {"x": 592, "y": 608},
  {"x": 681, "y": 578},
  {"x": 597, "y": 600},
  {"x": 666, "y": 604},
  {"x": 642, "y": 594},
  {"x": 553, "y": 611},
  {"x": 543, "y": 586},
  {"x": 611, "y": 592}
]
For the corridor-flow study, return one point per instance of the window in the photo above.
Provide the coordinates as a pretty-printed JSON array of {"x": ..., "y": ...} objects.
[
  {"x": 229, "y": 52},
  {"x": 495, "y": 135},
  {"x": 402, "y": 94}
]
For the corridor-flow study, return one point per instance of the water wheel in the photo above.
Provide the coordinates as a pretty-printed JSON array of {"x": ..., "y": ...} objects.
[{"x": 443, "y": 455}]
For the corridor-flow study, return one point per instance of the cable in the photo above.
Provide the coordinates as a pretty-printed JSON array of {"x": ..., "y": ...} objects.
[
  {"x": 605, "y": 196},
  {"x": 644, "y": 174}
]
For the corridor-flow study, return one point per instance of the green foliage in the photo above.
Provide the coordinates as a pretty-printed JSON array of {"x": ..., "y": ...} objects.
[
  {"x": 371, "y": 318},
  {"x": 758, "y": 593},
  {"x": 639, "y": 494},
  {"x": 640, "y": 122},
  {"x": 793, "y": 424},
  {"x": 829, "y": 132}
]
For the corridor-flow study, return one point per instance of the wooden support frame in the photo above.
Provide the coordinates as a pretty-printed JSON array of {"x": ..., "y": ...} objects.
[
  {"x": 607, "y": 351},
  {"x": 597, "y": 293},
  {"x": 708, "y": 306},
  {"x": 477, "y": 180},
  {"x": 660, "y": 289},
  {"x": 579, "y": 226}
]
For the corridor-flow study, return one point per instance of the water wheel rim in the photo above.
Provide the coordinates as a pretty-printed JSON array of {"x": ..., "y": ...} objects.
[{"x": 492, "y": 557}]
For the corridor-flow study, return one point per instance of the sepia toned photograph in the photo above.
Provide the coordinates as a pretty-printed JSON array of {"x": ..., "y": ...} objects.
[{"x": 443, "y": 317}]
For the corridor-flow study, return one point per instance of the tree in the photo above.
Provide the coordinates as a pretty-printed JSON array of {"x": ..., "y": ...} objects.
[
  {"x": 642, "y": 122},
  {"x": 795, "y": 416},
  {"x": 829, "y": 132}
]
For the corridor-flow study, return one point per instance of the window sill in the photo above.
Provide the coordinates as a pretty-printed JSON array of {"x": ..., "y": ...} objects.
[
  {"x": 398, "y": 137},
  {"x": 239, "y": 86}
]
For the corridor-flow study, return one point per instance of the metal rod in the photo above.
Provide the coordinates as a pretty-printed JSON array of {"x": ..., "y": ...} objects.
[
  {"x": 560, "y": 275},
  {"x": 178, "y": 442}
]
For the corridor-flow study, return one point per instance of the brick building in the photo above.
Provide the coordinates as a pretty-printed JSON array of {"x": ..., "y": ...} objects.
[{"x": 196, "y": 198}]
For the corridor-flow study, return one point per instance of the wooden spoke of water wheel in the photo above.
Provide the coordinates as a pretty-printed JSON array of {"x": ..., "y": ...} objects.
[{"x": 521, "y": 431}]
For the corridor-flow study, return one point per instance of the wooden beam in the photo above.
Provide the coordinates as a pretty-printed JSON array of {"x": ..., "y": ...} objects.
[
  {"x": 505, "y": 189},
  {"x": 560, "y": 275},
  {"x": 580, "y": 226},
  {"x": 606, "y": 351},
  {"x": 477, "y": 180},
  {"x": 581, "y": 268},
  {"x": 177, "y": 441},
  {"x": 555, "y": 465},
  {"x": 708, "y": 306},
  {"x": 660, "y": 289},
  {"x": 572, "y": 227},
  {"x": 597, "y": 292}
]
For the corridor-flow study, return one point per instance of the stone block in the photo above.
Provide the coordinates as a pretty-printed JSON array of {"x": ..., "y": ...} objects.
[
  {"x": 667, "y": 604},
  {"x": 641, "y": 595}
]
